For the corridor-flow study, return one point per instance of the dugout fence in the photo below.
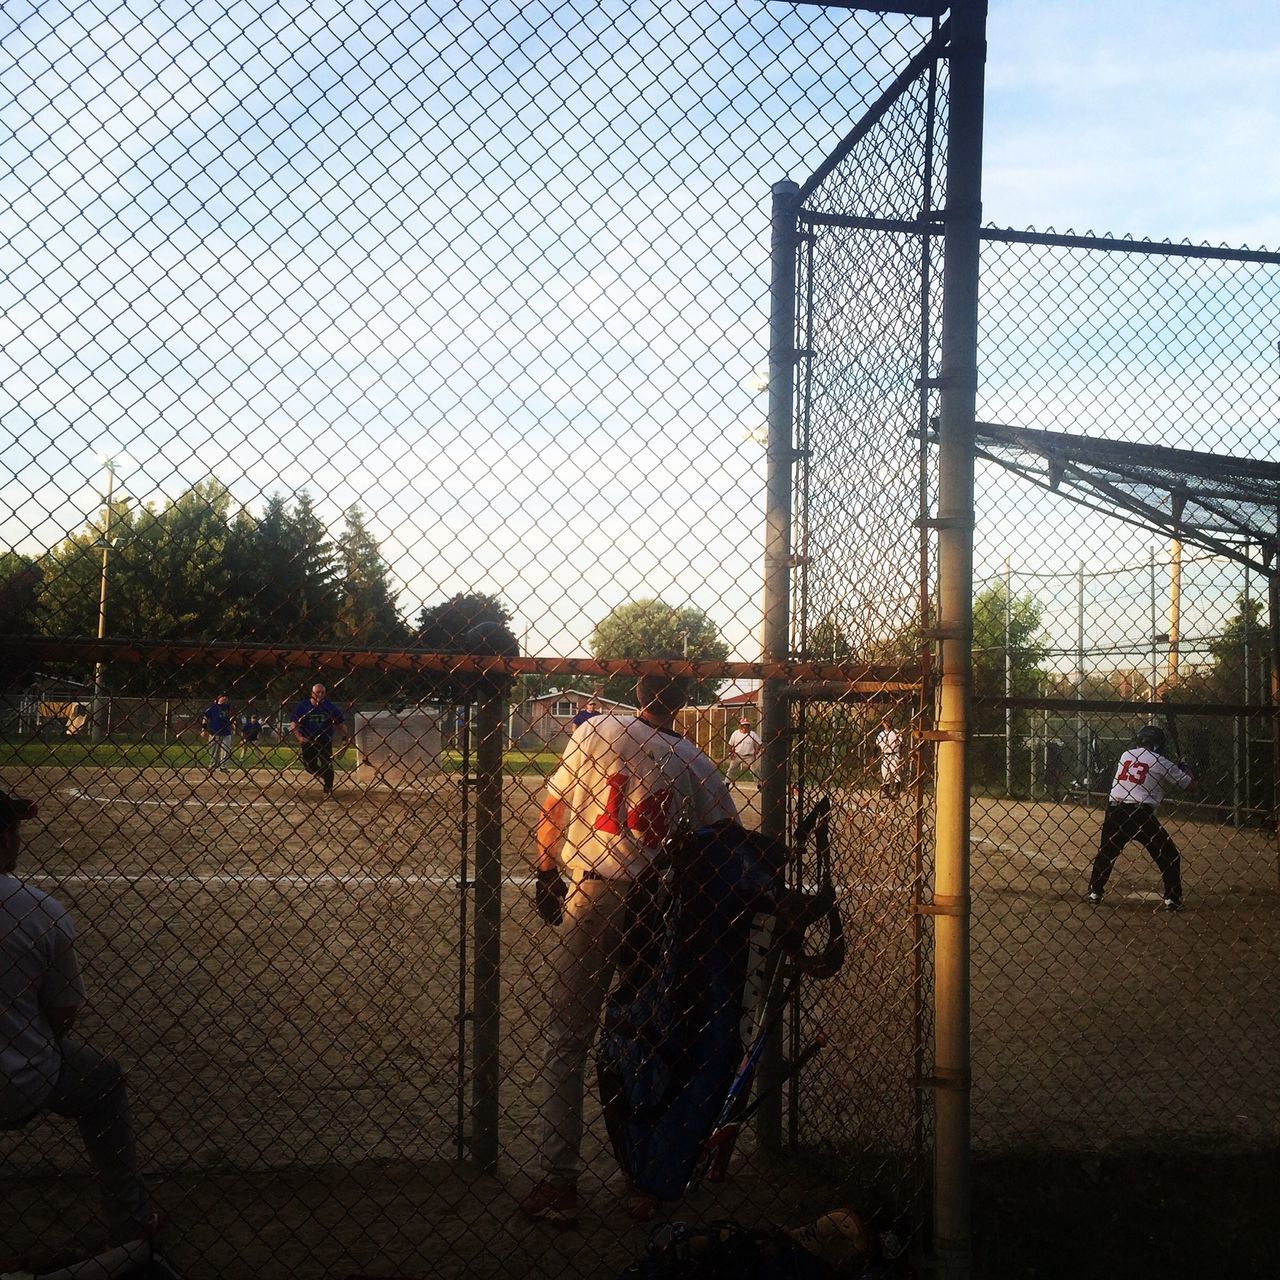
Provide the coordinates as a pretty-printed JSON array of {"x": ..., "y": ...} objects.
[{"x": 454, "y": 355}]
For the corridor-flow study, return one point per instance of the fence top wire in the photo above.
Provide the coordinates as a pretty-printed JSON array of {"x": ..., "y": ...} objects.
[{"x": 1221, "y": 503}]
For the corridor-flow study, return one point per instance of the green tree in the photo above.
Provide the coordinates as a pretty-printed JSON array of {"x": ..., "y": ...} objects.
[
  {"x": 1006, "y": 638},
  {"x": 20, "y": 582},
  {"x": 367, "y": 613},
  {"x": 651, "y": 629},
  {"x": 1237, "y": 651},
  {"x": 828, "y": 641},
  {"x": 72, "y": 573},
  {"x": 289, "y": 575},
  {"x": 313, "y": 571},
  {"x": 177, "y": 565},
  {"x": 467, "y": 622}
]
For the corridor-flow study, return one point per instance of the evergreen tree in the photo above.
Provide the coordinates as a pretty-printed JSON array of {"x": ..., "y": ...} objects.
[
  {"x": 313, "y": 572},
  {"x": 367, "y": 613},
  {"x": 20, "y": 582},
  {"x": 266, "y": 576},
  {"x": 291, "y": 585}
]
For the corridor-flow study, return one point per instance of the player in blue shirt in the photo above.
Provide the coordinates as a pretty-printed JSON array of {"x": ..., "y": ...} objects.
[
  {"x": 250, "y": 737},
  {"x": 315, "y": 721},
  {"x": 217, "y": 724}
]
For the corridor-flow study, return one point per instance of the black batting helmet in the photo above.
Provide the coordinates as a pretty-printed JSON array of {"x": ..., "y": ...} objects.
[{"x": 1150, "y": 736}]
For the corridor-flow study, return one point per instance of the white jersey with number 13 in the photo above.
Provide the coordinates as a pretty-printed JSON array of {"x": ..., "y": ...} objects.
[{"x": 1142, "y": 777}]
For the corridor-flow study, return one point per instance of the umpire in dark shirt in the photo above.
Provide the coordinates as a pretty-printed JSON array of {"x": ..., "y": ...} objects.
[{"x": 315, "y": 722}]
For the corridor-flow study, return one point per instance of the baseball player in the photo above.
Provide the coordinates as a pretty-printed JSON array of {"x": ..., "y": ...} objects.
[
  {"x": 43, "y": 1066},
  {"x": 217, "y": 724},
  {"x": 744, "y": 748},
  {"x": 1142, "y": 777},
  {"x": 624, "y": 784},
  {"x": 315, "y": 722},
  {"x": 889, "y": 744},
  {"x": 250, "y": 737},
  {"x": 592, "y": 709}
]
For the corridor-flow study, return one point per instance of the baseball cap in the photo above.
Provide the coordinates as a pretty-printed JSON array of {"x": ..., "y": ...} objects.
[
  {"x": 14, "y": 809},
  {"x": 744, "y": 720}
]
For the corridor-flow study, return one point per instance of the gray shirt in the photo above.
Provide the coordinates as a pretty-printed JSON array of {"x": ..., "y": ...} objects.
[{"x": 39, "y": 971}]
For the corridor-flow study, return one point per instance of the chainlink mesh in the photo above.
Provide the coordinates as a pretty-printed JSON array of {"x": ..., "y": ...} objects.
[
  {"x": 421, "y": 352},
  {"x": 1131, "y": 582},
  {"x": 339, "y": 336}
]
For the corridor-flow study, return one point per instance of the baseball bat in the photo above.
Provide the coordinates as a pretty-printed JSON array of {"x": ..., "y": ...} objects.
[
  {"x": 1171, "y": 727},
  {"x": 1187, "y": 762}
]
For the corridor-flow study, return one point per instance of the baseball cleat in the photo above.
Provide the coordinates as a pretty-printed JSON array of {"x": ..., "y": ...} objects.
[
  {"x": 550, "y": 1203},
  {"x": 1094, "y": 898},
  {"x": 1172, "y": 904}
]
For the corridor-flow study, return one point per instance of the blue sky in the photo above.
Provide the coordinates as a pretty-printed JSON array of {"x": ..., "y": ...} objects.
[{"x": 497, "y": 272}]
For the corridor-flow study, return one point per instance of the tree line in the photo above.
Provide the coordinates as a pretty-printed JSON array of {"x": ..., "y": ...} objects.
[{"x": 202, "y": 568}]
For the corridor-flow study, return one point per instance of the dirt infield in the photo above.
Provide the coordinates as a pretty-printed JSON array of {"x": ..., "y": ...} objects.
[{"x": 281, "y": 975}]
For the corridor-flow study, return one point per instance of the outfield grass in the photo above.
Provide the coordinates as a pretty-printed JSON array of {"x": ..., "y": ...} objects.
[{"x": 74, "y": 752}]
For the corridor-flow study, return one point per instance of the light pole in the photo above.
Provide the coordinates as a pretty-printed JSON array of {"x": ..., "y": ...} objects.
[{"x": 96, "y": 730}]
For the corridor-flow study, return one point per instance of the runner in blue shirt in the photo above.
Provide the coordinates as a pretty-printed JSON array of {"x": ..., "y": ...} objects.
[{"x": 315, "y": 721}]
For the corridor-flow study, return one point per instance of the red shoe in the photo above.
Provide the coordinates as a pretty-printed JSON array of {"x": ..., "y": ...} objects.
[
  {"x": 548, "y": 1202},
  {"x": 642, "y": 1205}
]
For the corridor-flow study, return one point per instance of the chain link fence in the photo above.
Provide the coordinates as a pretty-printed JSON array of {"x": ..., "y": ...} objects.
[
  {"x": 424, "y": 353},
  {"x": 339, "y": 337},
  {"x": 1152, "y": 603}
]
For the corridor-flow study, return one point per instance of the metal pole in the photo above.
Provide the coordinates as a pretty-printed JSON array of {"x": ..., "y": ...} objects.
[
  {"x": 1008, "y": 678},
  {"x": 1175, "y": 608},
  {"x": 775, "y": 634},
  {"x": 95, "y": 732},
  {"x": 486, "y": 997},
  {"x": 1273, "y": 603},
  {"x": 462, "y": 732},
  {"x": 957, "y": 404},
  {"x": 1082, "y": 743},
  {"x": 1155, "y": 622},
  {"x": 1248, "y": 628}
]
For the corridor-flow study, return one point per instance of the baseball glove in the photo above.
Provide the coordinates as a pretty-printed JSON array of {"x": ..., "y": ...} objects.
[{"x": 549, "y": 894}]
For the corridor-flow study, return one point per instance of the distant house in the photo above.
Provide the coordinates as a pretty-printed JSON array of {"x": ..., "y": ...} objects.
[{"x": 546, "y": 721}]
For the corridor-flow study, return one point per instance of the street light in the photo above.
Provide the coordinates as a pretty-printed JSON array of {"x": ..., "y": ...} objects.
[{"x": 96, "y": 730}]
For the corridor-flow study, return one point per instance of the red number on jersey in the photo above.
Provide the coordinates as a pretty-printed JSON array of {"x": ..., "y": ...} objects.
[
  {"x": 1134, "y": 771},
  {"x": 610, "y": 821},
  {"x": 648, "y": 819}
]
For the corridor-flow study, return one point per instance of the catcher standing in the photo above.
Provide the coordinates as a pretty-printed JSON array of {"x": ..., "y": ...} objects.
[{"x": 1141, "y": 778}]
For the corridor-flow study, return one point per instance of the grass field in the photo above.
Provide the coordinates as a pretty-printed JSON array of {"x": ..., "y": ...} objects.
[
  {"x": 74, "y": 753},
  {"x": 285, "y": 978}
]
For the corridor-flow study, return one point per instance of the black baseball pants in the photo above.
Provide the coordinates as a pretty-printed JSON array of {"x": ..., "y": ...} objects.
[
  {"x": 317, "y": 759},
  {"x": 1125, "y": 822}
]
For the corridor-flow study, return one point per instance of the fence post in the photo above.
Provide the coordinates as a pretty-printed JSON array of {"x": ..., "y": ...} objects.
[
  {"x": 1273, "y": 608},
  {"x": 486, "y": 993},
  {"x": 957, "y": 411},
  {"x": 775, "y": 636}
]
